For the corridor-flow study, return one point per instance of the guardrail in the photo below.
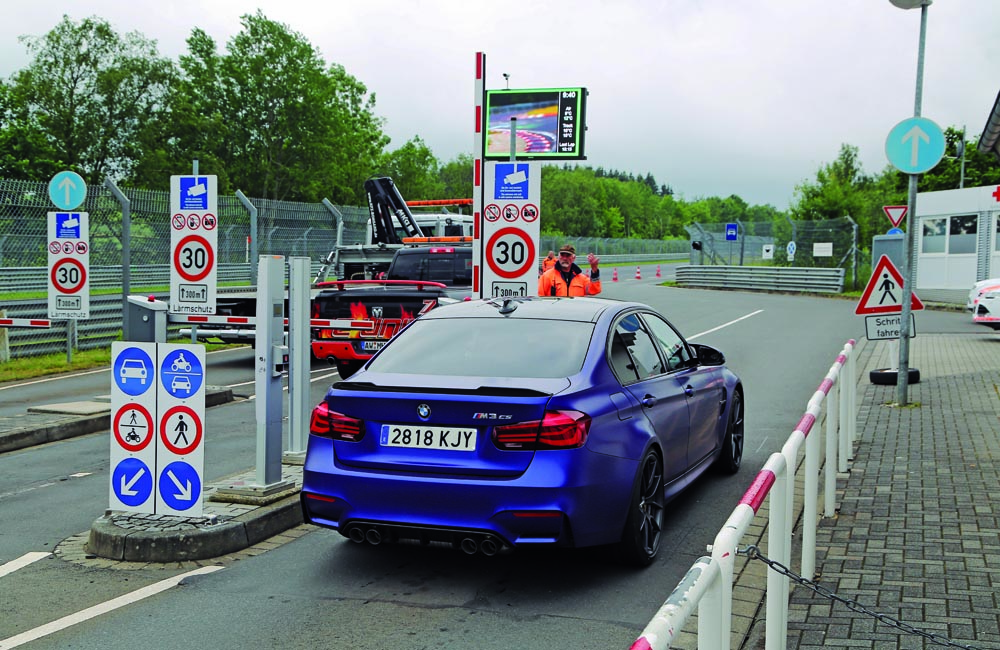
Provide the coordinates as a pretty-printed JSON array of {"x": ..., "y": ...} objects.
[
  {"x": 708, "y": 586},
  {"x": 762, "y": 278}
]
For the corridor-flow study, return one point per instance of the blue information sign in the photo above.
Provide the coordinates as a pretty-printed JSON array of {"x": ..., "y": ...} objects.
[
  {"x": 894, "y": 231},
  {"x": 194, "y": 193},
  {"x": 511, "y": 181},
  {"x": 915, "y": 145},
  {"x": 67, "y": 190},
  {"x": 732, "y": 231},
  {"x": 181, "y": 374},
  {"x": 132, "y": 482},
  {"x": 133, "y": 371},
  {"x": 790, "y": 249},
  {"x": 180, "y": 486}
]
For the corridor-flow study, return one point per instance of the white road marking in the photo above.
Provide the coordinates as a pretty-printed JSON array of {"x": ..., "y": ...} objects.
[
  {"x": 22, "y": 562},
  {"x": 101, "y": 608},
  {"x": 285, "y": 387},
  {"x": 80, "y": 474},
  {"x": 732, "y": 322}
]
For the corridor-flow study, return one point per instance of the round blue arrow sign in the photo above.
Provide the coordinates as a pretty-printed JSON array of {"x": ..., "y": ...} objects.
[
  {"x": 180, "y": 485},
  {"x": 132, "y": 482},
  {"x": 915, "y": 145},
  {"x": 67, "y": 190}
]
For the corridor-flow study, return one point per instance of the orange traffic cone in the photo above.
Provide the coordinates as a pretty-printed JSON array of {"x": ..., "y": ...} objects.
[
  {"x": 658, "y": 271},
  {"x": 614, "y": 275},
  {"x": 638, "y": 273}
]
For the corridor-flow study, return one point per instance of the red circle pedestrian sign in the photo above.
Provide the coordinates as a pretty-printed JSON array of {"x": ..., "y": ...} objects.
[
  {"x": 133, "y": 427},
  {"x": 510, "y": 252},
  {"x": 181, "y": 430}
]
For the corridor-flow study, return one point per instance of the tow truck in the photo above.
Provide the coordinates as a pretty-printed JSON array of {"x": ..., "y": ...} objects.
[
  {"x": 390, "y": 221},
  {"x": 426, "y": 273}
]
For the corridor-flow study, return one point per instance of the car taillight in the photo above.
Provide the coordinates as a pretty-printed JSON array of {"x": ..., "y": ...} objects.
[
  {"x": 337, "y": 426},
  {"x": 557, "y": 430}
]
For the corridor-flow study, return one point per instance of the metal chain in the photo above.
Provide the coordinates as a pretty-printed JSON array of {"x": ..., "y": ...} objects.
[{"x": 754, "y": 553}]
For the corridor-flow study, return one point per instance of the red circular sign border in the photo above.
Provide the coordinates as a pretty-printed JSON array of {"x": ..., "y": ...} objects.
[
  {"x": 208, "y": 266},
  {"x": 529, "y": 260},
  {"x": 75, "y": 262},
  {"x": 149, "y": 425},
  {"x": 197, "y": 433}
]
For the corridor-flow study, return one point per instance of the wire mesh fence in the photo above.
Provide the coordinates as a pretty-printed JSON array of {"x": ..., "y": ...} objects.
[{"x": 831, "y": 243}]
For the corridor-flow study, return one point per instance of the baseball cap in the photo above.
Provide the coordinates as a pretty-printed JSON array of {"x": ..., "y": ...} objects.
[{"x": 568, "y": 248}]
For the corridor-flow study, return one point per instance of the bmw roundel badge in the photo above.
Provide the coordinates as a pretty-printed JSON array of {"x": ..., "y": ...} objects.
[{"x": 424, "y": 411}]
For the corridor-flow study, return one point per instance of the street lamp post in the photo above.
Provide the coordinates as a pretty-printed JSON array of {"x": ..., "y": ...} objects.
[{"x": 903, "y": 374}]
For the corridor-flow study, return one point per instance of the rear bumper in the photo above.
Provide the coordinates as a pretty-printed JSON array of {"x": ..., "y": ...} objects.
[
  {"x": 338, "y": 350},
  {"x": 547, "y": 504}
]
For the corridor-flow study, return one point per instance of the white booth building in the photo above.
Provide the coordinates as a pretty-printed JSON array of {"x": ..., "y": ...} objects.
[{"x": 957, "y": 241}]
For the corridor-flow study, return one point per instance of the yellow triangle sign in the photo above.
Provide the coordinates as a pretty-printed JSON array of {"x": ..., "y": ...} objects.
[{"x": 884, "y": 293}]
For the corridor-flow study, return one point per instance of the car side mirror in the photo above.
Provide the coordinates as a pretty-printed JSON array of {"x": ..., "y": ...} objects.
[{"x": 708, "y": 356}]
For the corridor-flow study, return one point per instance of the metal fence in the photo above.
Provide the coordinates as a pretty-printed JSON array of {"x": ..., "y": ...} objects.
[
  {"x": 831, "y": 243},
  {"x": 279, "y": 228}
]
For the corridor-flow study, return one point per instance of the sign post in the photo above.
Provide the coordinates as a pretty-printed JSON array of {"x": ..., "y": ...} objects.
[
  {"x": 69, "y": 265},
  {"x": 133, "y": 430},
  {"x": 193, "y": 243},
  {"x": 180, "y": 428},
  {"x": 510, "y": 232}
]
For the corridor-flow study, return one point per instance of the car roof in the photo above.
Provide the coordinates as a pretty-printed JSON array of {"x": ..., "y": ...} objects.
[{"x": 533, "y": 307}]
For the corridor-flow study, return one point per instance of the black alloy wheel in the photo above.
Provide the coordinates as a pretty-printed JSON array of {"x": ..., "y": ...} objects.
[
  {"x": 732, "y": 444},
  {"x": 644, "y": 525}
]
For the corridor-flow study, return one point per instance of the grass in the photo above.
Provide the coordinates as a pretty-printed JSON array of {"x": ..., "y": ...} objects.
[{"x": 53, "y": 364}]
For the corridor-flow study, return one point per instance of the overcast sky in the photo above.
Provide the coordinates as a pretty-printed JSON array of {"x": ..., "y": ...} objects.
[{"x": 713, "y": 97}]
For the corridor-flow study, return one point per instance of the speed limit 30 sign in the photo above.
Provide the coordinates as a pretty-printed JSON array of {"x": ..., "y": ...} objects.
[
  {"x": 69, "y": 265},
  {"x": 193, "y": 242}
]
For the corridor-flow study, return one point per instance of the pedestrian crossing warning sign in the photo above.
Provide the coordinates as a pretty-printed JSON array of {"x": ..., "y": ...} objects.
[{"x": 884, "y": 293}]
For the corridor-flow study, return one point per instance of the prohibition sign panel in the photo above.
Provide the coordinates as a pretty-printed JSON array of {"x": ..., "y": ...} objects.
[
  {"x": 133, "y": 427},
  {"x": 175, "y": 428},
  {"x": 510, "y": 253},
  {"x": 68, "y": 275},
  {"x": 492, "y": 212},
  {"x": 194, "y": 253},
  {"x": 177, "y": 222}
]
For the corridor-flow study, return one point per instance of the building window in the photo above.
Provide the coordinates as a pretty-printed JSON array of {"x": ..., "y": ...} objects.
[
  {"x": 962, "y": 234},
  {"x": 934, "y": 236},
  {"x": 996, "y": 237}
]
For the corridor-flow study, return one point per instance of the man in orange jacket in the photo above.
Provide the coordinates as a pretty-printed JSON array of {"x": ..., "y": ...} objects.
[{"x": 567, "y": 279}]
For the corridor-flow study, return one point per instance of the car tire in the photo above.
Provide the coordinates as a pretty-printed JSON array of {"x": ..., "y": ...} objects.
[
  {"x": 347, "y": 368},
  {"x": 731, "y": 456},
  {"x": 889, "y": 376},
  {"x": 644, "y": 525}
]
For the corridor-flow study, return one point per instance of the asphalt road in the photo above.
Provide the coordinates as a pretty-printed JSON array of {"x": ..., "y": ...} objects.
[{"x": 321, "y": 590}]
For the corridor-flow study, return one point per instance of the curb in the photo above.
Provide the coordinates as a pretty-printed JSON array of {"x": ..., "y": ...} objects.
[{"x": 132, "y": 538}]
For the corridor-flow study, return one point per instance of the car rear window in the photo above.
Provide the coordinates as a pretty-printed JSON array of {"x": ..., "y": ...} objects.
[{"x": 502, "y": 347}]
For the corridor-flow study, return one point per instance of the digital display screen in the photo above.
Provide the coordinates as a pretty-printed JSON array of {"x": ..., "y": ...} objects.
[{"x": 550, "y": 123}]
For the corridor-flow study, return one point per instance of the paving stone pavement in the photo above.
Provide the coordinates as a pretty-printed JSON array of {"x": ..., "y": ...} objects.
[{"x": 917, "y": 536}]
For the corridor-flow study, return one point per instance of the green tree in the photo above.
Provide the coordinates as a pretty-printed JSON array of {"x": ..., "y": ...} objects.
[
  {"x": 457, "y": 176},
  {"x": 276, "y": 120},
  {"x": 414, "y": 170},
  {"x": 81, "y": 101}
]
